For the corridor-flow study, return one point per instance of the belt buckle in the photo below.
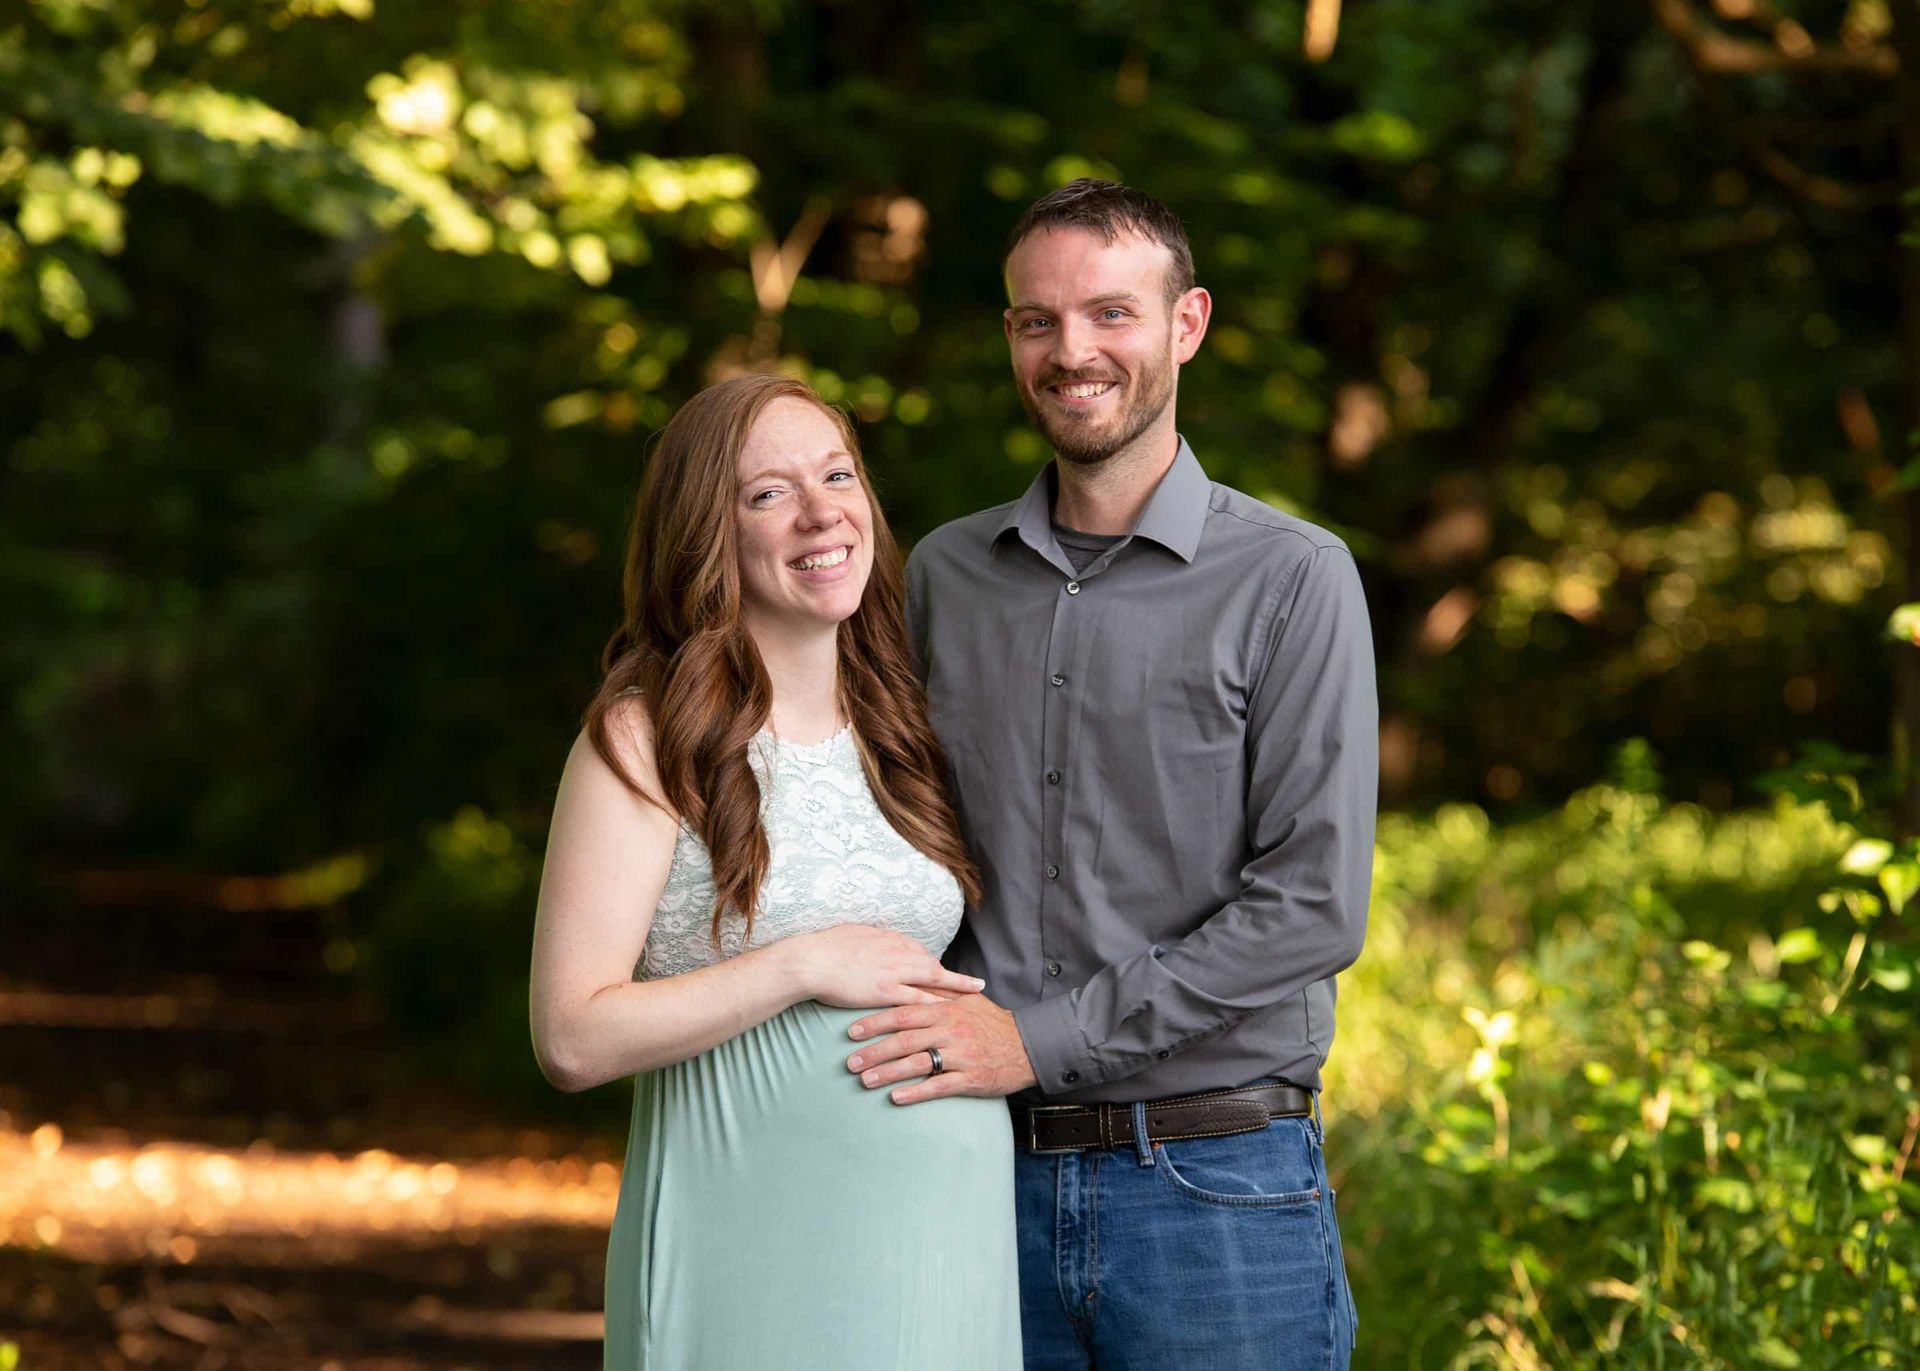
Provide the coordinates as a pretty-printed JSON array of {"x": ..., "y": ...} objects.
[{"x": 1033, "y": 1110}]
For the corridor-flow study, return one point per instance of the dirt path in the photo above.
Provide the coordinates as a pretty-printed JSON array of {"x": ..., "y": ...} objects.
[{"x": 213, "y": 1156}]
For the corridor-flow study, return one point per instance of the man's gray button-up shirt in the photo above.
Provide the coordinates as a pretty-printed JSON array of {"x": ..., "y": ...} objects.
[{"x": 1169, "y": 913}]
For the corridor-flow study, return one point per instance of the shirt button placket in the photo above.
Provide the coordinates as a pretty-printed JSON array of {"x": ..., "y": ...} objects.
[{"x": 1053, "y": 731}]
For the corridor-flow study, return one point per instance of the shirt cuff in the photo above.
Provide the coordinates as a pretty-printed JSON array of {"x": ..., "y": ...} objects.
[{"x": 1060, "y": 1057}]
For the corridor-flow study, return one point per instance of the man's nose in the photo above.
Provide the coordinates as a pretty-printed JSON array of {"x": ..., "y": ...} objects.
[{"x": 1072, "y": 345}]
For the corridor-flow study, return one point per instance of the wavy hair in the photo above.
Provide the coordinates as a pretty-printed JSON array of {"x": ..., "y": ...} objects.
[{"x": 684, "y": 648}]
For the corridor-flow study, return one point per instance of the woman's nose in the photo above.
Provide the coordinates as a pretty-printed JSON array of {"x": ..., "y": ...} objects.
[{"x": 819, "y": 510}]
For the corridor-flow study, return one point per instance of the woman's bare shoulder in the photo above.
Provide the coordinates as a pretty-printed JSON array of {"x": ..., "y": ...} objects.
[{"x": 627, "y": 728}]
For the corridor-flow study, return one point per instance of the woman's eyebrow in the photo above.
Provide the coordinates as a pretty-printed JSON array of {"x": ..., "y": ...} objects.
[{"x": 835, "y": 455}]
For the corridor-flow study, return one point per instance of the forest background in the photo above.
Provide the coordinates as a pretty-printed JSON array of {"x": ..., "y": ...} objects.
[{"x": 332, "y": 333}]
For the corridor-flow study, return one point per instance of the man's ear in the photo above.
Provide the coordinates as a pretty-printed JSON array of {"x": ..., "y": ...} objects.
[{"x": 1191, "y": 313}]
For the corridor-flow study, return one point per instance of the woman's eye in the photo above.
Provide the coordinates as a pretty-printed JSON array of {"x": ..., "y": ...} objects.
[
  {"x": 759, "y": 497},
  {"x": 841, "y": 476}
]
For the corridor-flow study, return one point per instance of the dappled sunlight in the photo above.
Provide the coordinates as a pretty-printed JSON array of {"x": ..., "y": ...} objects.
[{"x": 176, "y": 1202}]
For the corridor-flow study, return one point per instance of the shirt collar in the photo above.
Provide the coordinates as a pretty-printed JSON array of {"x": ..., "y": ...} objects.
[{"x": 1175, "y": 515}]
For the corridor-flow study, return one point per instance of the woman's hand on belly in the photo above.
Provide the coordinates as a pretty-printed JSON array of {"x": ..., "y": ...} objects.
[{"x": 857, "y": 966}]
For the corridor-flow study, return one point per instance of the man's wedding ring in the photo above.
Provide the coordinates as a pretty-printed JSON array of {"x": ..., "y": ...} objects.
[{"x": 938, "y": 1065}]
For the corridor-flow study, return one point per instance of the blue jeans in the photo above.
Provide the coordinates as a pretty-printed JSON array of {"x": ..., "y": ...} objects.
[{"x": 1209, "y": 1254}]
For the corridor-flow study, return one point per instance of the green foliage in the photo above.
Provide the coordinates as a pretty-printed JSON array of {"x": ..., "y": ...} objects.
[
  {"x": 446, "y": 923},
  {"x": 341, "y": 327},
  {"x": 1630, "y": 1086}
]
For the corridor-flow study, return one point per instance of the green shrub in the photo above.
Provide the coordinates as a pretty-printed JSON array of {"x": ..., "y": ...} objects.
[
  {"x": 448, "y": 935},
  {"x": 1632, "y": 1086}
]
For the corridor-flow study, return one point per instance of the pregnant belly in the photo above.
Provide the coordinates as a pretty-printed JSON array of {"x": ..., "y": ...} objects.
[
  {"x": 783, "y": 1088},
  {"x": 762, "y": 1176}
]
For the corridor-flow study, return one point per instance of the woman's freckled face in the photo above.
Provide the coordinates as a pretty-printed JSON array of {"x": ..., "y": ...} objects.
[{"x": 803, "y": 520}]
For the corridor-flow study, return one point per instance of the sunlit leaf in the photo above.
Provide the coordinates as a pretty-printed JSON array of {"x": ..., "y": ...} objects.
[
  {"x": 1900, "y": 880},
  {"x": 1727, "y": 1192},
  {"x": 1798, "y": 945},
  {"x": 1866, "y": 856}
]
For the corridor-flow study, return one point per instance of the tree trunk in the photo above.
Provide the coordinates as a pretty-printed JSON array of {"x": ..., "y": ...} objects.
[{"x": 1906, "y": 42}]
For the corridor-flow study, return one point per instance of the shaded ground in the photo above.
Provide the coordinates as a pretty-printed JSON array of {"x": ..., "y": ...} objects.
[{"x": 212, "y": 1157}]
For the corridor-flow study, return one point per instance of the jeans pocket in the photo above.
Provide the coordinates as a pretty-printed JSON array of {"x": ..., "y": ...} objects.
[{"x": 1245, "y": 1171}]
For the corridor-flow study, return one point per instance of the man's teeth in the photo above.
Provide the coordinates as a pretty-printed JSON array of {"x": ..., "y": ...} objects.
[
  {"x": 1086, "y": 390},
  {"x": 820, "y": 561}
]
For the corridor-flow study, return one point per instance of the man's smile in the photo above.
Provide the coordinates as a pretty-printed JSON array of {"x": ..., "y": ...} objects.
[{"x": 1081, "y": 392}]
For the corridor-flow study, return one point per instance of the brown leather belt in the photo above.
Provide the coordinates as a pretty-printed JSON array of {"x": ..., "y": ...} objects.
[{"x": 1211, "y": 1114}]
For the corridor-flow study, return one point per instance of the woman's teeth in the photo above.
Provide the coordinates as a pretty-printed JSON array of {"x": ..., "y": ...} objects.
[{"x": 820, "y": 561}]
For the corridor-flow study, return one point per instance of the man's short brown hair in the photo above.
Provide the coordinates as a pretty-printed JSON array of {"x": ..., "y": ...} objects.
[{"x": 1110, "y": 210}]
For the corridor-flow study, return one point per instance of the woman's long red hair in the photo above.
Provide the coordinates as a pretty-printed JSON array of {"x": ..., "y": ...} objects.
[{"x": 683, "y": 648}]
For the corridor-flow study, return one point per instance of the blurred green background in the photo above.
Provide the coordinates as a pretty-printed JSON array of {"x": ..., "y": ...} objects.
[{"x": 332, "y": 333}]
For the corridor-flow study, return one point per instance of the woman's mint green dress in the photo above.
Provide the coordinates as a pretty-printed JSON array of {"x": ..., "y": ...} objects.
[{"x": 773, "y": 1212}]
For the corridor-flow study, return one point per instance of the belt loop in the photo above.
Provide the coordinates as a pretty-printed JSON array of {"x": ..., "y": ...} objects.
[
  {"x": 1319, "y": 1123},
  {"x": 1141, "y": 1145}
]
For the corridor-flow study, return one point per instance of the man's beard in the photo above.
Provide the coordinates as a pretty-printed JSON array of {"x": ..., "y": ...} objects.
[{"x": 1086, "y": 442}]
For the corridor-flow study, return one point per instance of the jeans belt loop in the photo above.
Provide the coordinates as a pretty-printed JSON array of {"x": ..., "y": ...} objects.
[{"x": 1142, "y": 1147}]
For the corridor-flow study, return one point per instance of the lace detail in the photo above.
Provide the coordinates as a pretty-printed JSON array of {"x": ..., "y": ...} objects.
[{"x": 835, "y": 859}]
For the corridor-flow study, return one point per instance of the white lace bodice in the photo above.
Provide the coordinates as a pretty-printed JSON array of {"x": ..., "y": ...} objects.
[{"x": 835, "y": 859}]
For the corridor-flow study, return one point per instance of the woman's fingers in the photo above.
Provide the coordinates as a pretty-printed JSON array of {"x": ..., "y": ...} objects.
[
  {"x": 953, "y": 980},
  {"x": 911, "y": 994}
]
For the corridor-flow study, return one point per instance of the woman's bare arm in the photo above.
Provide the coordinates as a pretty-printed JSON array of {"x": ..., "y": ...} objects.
[{"x": 608, "y": 854}]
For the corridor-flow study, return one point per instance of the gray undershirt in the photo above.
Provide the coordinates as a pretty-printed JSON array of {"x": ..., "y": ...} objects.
[{"x": 1083, "y": 549}]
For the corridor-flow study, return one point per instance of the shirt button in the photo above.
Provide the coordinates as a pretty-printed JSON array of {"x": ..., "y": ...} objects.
[
  {"x": 1163, "y": 1054},
  {"x": 1073, "y": 587},
  {"x": 1057, "y": 679},
  {"x": 1053, "y": 778},
  {"x": 1053, "y": 968},
  {"x": 1053, "y": 872},
  {"x": 1069, "y": 1076}
]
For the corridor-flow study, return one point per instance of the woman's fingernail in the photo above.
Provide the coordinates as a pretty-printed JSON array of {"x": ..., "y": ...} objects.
[
  {"x": 979, "y": 984},
  {"x": 857, "y": 1031},
  {"x": 853, "y": 1063}
]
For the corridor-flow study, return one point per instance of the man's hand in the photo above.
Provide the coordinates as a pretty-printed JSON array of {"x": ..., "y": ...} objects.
[{"x": 979, "y": 1046}]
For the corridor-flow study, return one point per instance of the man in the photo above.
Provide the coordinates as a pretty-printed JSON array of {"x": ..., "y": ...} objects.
[{"x": 1157, "y": 698}]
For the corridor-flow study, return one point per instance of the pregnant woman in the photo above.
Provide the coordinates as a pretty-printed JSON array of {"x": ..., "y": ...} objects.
[{"x": 752, "y": 843}]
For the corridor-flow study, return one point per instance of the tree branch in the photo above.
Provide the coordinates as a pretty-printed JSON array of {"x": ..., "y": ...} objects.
[
  {"x": 1821, "y": 190},
  {"x": 1713, "y": 50}
]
